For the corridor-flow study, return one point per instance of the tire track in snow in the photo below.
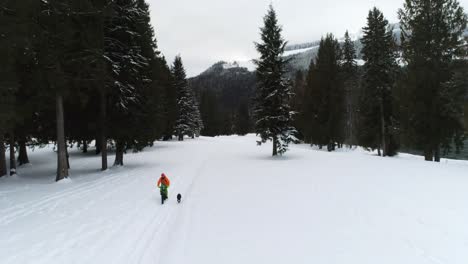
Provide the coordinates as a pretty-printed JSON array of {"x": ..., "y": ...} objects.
[
  {"x": 68, "y": 194},
  {"x": 60, "y": 194},
  {"x": 152, "y": 246},
  {"x": 184, "y": 212},
  {"x": 84, "y": 230},
  {"x": 155, "y": 226}
]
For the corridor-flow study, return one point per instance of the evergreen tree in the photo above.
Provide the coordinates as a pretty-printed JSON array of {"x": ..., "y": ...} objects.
[
  {"x": 197, "y": 122},
  {"x": 155, "y": 81},
  {"x": 133, "y": 95},
  {"x": 452, "y": 101},
  {"x": 273, "y": 111},
  {"x": 325, "y": 96},
  {"x": 184, "y": 123},
  {"x": 349, "y": 55},
  {"x": 222, "y": 91},
  {"x": 431, "y": 40},
  {"x": 56, "y": 42},
  {"x": 377, "y": 126},
  {"x": 85, "y": 56},
  {"x": 349, "y": 71}
]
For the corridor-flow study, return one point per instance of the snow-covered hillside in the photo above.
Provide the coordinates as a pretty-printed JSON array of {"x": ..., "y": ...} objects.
[{"x": 239, "y": 206}]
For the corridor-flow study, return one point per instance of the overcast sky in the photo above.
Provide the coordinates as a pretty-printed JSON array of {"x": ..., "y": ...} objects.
[{"x": 206, "y": 31}]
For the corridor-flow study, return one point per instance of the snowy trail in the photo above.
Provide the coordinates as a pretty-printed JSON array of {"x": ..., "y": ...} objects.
[
  {"x": 239, "y": 206},
  {"x": 118, "y": 210}
]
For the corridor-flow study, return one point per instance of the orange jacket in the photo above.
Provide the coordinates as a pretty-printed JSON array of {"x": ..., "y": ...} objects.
[{"x": 164, "y": 181}]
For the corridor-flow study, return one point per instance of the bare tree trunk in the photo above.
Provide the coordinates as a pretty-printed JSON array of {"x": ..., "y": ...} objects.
[
  {"x": 23, "y": 152},
  {"x": 437, "y": 153},
  {"x": 181, "y": 137},
  {"x": 3, "y": 167},
  {"x": 62, "y": 168},
  {"x": 103, "y": 139},
  {"x": 383, "y": 130},
  {"x": 378, "y": 152},
  {"x": 119, "y": 154},
  {"x": 98, "y": 144},
  {"x": 331, "y": 146},
  {"x": 68, "y": 156},
  {"x": 12, "y": 154},
  {"x": 428, "y": 153},
  {"x": 275, "y": 146},
  {"x": 85, "y": 146}
]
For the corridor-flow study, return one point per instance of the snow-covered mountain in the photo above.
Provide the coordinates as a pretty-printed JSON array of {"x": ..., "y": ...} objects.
[
  {"x": 223, "y": 67},
  {"x": 300, "y": 55}
]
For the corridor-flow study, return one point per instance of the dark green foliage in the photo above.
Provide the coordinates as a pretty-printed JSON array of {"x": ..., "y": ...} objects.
[
  {"x": 452, "y": 100},
  {"x": 183, "y": 122},
  {"x": 168, "y": 105},
  {"x": 273, "y": 111},
  {"x": 350, "y": 77},
  {"x": 189, "y": 121},
  {"x": 66, "y": 62},
  {"x": 324, "y": 104},
  {"x": 211, "y": 114},
  {"x": 298, "y": 103},
  {"x": 377, "y": 126},
  {"x": 431, "y": 40},
  {"x": 223, "y": 91},
  {"x": 132, "y": 60},
  {"x": 243, "y": 122}
]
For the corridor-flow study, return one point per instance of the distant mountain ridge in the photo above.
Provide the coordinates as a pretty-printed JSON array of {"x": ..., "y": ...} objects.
[
  {"x": 223, "y": 67},
  {"x": 299, "y": 54}
]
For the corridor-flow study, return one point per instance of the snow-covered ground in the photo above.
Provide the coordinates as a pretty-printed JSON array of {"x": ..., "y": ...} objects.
[{"x": 239, "y": 206}]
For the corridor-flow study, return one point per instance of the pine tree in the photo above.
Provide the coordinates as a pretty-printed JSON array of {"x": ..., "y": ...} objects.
[
  {"x": 431, "y": 40},
  {"x": 197, "y": 122},
  {"x": 452, "y": 101},
  {"x": 156, "y": 78},
  {"x": 349, "y": 71},
  {"x": 56, "y": 41},
  {"x": 184, "y": 123},
  {"x": 349, "y": 55},
  {"x": 325, "y": 96},
  {"x": 273, "y": 111},
  {"x": 168, "y": 105},
  {"x": 377, "y": 126}
]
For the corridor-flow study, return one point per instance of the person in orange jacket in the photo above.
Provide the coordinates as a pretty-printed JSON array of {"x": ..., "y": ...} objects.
[{"x": 163, "y": 184}]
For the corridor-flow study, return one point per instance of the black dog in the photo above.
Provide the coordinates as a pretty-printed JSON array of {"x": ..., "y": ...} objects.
[{"x": 179, "y": 197}]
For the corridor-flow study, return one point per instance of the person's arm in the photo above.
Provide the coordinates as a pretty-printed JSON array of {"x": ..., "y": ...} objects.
[{"x": 159, "y": 182}]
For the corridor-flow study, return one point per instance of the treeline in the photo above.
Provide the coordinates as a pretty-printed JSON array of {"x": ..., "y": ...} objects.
[
  {"x": 76, "y": 72},
  {"x": 225, "y": 95},
  {"x": 410, "y": 95}
]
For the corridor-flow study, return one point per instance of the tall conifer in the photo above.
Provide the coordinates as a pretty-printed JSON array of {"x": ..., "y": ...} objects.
[
  {"x": 273, "y": 111},
  {"x": 432, "y": 39},
  {"x": 377, "y": 129}
]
